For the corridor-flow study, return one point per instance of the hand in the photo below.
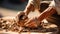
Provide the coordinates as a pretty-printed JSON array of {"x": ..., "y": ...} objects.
[
  {"x": 32, "y": 23},
  {"x": 21, "y": 15},
  {"x": 21, "y": 18}
]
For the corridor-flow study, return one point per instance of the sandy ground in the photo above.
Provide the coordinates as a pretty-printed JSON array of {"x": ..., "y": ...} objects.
[{"x": 7, "y": 12}]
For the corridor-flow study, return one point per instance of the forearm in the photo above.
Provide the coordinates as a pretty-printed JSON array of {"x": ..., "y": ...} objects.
[
  {"x": 32, "y": 5},
  {"x": 48, "y": 12},
  {"x": 29, "y": 8}
]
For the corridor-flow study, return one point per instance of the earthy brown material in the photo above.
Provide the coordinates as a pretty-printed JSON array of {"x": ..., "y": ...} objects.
[
  {"x": 21, "y": 22},
  {"x": 37, "y": 21}
]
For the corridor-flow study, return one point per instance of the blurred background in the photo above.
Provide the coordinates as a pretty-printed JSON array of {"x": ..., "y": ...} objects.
[{"x": 11, "y": 7}]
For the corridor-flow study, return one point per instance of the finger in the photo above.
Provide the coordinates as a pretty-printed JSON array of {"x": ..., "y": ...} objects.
[{"x": 31, "y": 19}]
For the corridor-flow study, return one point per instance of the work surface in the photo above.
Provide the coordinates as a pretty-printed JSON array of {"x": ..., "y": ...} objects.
[
  {"x": 6, "y": 12},
  {"x": 25, "y": 33}
]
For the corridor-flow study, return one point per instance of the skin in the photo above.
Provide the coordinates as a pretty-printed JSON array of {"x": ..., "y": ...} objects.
[
  {"x": 48, "y": 12},
  {"x": 31, "y": 6}
]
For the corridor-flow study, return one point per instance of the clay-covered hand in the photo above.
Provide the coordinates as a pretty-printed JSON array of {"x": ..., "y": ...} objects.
[
  {"x": 21, "y": 15},
  {"x": 21, "y": 18},
  {"x": 32, "y": 23}
]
